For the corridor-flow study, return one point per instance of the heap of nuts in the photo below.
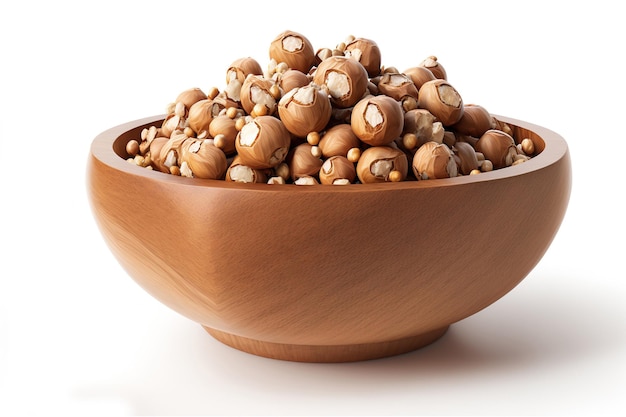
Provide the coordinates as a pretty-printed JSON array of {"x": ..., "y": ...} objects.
[{"x": 331, "y": 116}]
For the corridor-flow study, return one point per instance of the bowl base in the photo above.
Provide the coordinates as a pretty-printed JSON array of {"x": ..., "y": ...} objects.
[{"x": 334, "y": 353}]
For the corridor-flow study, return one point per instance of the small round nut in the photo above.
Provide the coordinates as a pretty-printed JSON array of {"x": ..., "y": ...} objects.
[
  {"x": 377, "y": 120},
  {"x": 441, "y": 99},
  {"x": 382, "y": 164}
]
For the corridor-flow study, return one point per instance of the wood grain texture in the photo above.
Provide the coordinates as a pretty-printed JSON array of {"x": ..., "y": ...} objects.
[{"x": 323, "y": 273}]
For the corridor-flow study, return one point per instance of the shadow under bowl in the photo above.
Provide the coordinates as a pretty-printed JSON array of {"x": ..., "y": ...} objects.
[{"x": 326, "y": 273}]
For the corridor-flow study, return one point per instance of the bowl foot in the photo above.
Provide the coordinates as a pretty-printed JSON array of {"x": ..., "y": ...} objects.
[{"x": 334, "y": 353}]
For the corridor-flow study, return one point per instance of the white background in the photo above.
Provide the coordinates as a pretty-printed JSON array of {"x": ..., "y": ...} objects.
[{"x": 78, "y": 336}]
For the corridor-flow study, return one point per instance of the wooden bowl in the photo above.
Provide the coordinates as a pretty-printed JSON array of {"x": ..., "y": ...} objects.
[{"x": 328, "y": 273}]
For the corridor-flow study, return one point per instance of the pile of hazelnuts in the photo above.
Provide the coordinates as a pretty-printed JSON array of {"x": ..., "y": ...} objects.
[{"x": 331, "y": 116}]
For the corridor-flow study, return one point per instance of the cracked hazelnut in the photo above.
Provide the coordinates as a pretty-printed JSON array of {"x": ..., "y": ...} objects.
[
  {"x": 468, "y": 161},
  {"x": 367, "y": 53},
  {"x": 498, "y": 147},
  {"x": 337, "y": 170},
  {"x": 202, "y": 159},
  {"x": 434, "y": 160},
  {"x": 201, "y": 115},
  {"x": 171, "y": 151},
  {"x": 189, "y": 97},
  {"x": 293, "y": 49},
  {"x": 237, "y": 73},
  {"x": 304, "y": 110},
  {"x": 397, "y": 86},
  {"x": 238, "y": 172},
  {"x": 435, "y": 67},
  {"x": 255, "y": 91},
  {"x": 377, "y": 120},
  {"x": 382, "y": 164},
  {"x": 263, "y": 142},
  {"x": 441, "y": 99},
  {"x": 422, "y": 124},
  {"x": 345, "y": 79}
]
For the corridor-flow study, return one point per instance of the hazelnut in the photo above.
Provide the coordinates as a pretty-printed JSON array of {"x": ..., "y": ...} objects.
[
  {"x": 367, "y": 53},
  {"x": 475, "y": 121},
  {"x": 422, "y": 124},
  {"x": 238, "y": 172},
  {"x": 201, "y": 115},
  {"x": 434, "y": 160},
  {"x": 189, "y": 97},
  {"x": 435, "y": 67},
  {"x": 441, "y": 99},
  {"x": 171, "y": 151},
  {"x": 201, "y": 159},
  {"x": 397, "y": 86},
  {"x": 468, "y": 161},
  {"x": 304, "y": 110},
  {"x": 291, "y": 79},
  {"x": 382, "y": 164},
  {"x": 256, "y": 91},
  {"x": 338, "y": 140},
  {"x": 263, "y": 142},
  {"x": 155, "y": 153},
  {"x": 224, "y": 128},
  {"x": 237, "y": 74},
  {"x": 377, "y": 120},
  {"x": 302, "y": 162},
  {"x": 498, "y": 147},
  {"x": 293, "y": 49},
  {"x": 337, "y": 170},
  {"x": 345, "y": 79},
  {"x": 419, "y": 75}
]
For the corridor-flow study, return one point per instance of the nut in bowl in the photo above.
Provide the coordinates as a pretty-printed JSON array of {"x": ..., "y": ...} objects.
[{"x": 329, "y": 273}]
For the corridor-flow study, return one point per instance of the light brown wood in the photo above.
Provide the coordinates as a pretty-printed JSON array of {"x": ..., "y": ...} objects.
[{"x": 324, "y": 273}]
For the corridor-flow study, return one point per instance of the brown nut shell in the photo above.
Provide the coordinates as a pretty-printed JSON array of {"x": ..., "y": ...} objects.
[
  {"x": 345, "y": 78},
  {"x": 256, "y": 90},
  {"x": 337, "y": 170},
  {"x": 441, "y": 99},
  {"x": 263, "y": 142},
  {"x": 338, "y": 140},
  {"x": 203, "y": 159},
  {"x": 171, "y": 151},
  {"x": 201, "y": 115},
  {"x": 419, "y": 75},
  {"x": 435, "y": 67},
  {"x": 155, "y": 153},
  {"x": 467, "y": 157},
  {"x": 498, "y": 147},
  {"x": 292, "y": 78},
  {"x": 294, "y": 49},
  {"x": 241, "y": 68},
  {"x": 397, "y": 86},
  {"x": 190, "y": 96},
  {"x": 475, "y": 121},
  {"x": 304, "y": 110},
  {"x": 224, "y": 125},
  {"x": 377, "y": 163},
  {"x": 367, "y": 53},
  {"x": 377, "y": 120},
  {"x": 434, "y": 160},
  {"x": 302, "y": 162},
  {"x": 238, "y": 172}
]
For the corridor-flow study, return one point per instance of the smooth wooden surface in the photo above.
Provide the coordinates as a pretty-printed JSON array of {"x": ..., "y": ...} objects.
[{"x": 279, "y": 270}]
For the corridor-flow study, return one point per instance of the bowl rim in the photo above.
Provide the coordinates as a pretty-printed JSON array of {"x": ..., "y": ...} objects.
[{"x": 102, "y": 149}]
